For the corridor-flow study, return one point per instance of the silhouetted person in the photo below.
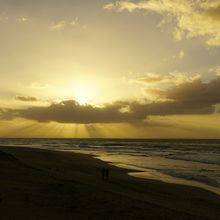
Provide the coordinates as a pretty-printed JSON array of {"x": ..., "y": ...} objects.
[
  {"x": 107, "y": 173},
  {"x": 103, "y": 173}
]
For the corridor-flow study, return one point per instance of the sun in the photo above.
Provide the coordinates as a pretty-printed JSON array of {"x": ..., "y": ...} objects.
[{"x": 83, "y": 94}]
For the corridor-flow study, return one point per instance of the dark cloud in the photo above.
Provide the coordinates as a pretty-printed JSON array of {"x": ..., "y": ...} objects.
[
  {"x": 26, "y": 98},
  {"x": 196, "y": 92},
  {"x": 189, "y": 98},
  {"x": 71, "y": 112},
  {"x": 171, "y": 108},
  {"x": 214, "y": 12}
]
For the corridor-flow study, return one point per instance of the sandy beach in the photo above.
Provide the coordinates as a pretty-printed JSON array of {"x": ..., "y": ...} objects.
[{"x": 43, "y": 184}]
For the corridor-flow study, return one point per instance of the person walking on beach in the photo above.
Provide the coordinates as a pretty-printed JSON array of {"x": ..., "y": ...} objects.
[
  {"x": 107, "y": 173},
  {"x": 103, "y": 173}
]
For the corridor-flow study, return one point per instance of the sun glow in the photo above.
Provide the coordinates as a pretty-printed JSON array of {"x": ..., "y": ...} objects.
[{"x": 83, "y": 94}]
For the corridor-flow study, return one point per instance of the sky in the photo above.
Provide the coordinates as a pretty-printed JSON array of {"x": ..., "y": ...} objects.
[{"x": 110, "y": 69}]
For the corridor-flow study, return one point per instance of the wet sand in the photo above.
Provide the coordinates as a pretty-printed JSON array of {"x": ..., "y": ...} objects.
[{"x": 42, "y": 184}]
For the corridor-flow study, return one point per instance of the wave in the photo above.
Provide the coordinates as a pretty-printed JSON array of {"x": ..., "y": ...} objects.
[
  {"x": 208, "y": 158},
  {"x": 191, "y": 176}
]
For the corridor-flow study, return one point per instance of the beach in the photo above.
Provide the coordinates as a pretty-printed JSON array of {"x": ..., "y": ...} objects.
[{"x": 44, "y": 184}]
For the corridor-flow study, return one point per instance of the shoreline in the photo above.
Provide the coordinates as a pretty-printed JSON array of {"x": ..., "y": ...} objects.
[
  {"x": 28, "y": 170},
  {"x": 144, "y": 173},
  {"x": 158, "y": 176}
]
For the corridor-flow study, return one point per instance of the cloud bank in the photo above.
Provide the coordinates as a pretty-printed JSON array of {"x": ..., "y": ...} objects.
[
  {"x": 193, "y": 17},
  {"x": 193, "y": 97}
]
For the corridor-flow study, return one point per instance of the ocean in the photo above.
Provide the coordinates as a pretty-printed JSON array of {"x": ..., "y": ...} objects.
[{"x": 181, "y": 161}]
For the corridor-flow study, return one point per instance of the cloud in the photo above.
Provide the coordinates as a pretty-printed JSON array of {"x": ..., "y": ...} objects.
[
  {"x": 61, "y": 25},
  {"x": 152, "y": 78},
  {"x": 193, "y": 17},
  {"x": 22, "y": 19},
  {"x": 173, "y": 78},
  {"x": 196, "y": 92},
  {"x": 193, "y": 97},
  {"x": 175, "y": 58},
  {"x": 171, "y": 108},
  {"x": 71, "y": 112},
  {"x": 181, "y": 54},
  {"x": 216, "y": 70},
  {"x": 26, "y": 98},
  {"x": 5, "y": 18}
]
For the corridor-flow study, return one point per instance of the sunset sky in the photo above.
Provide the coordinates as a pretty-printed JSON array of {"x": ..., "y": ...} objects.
[{"x": 106, "y": 68}]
